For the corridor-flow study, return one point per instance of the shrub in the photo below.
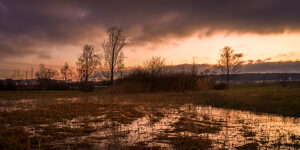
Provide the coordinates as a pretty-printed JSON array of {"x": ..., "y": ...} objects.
[
  {"x": 87, "y": 87},
  {"x": 144, "y": 81},
  {"x": 220, "y": 86}
]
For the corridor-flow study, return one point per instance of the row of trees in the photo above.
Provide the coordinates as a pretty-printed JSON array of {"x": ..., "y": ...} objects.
[
  {"x": 155, "y": 75},
  {"x": 112, "y": 60},
  {"x": 229, "y": 62},
  {"x": 88, "y": 63}
]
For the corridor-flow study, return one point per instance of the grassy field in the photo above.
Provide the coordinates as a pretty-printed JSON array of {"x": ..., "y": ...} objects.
[{"x": 273, "y": 100}]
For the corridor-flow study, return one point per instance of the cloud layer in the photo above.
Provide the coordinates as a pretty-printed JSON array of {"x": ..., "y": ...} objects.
[{"x": 32, "y": 27}]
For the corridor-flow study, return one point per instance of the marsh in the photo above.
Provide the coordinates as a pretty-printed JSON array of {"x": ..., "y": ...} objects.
[{"x": 166, "y": 120}]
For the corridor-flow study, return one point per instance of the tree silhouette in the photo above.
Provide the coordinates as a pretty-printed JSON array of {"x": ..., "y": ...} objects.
[
  {"x": 16, "y": 75},
  {"x": 87, "y": 63},
  {"x": 113, "y": 54},
  {"x": 193, "y": 70},
  {"x": 156, "y": 65},
  {"x": 45, "y": 73},
  {"x": 31, "y": 72},
  {"x": 229, "y": 62},
  {"x": 284, "y": 78},
  {"x": 66, "y": 71}
]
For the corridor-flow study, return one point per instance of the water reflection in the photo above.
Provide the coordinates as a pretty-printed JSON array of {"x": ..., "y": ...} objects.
[{"x": 157, "y": 125}]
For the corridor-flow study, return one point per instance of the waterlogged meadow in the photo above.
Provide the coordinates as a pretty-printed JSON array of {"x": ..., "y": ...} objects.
[{"x": 136, "y": 121}]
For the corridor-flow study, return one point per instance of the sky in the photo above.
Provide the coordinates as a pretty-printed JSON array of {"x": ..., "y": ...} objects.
[{"x": 54, "y": 31}]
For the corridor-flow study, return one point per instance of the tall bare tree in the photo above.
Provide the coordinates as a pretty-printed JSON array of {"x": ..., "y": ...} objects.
[
  {"x": 113, "y": 54},
  {"x": 31, "y": 72},
  {"x": 87, "y": 63},
  {"x": 66, "y": 71},
  {"x": 45, "y": 73},
  {"x": 17, "y": 75},
  {"x": 26, "y": 74},
  {"x": 229, "y": 62}
]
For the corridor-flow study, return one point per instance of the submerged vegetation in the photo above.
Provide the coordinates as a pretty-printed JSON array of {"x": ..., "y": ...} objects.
[{"x": 179, "y": 120}]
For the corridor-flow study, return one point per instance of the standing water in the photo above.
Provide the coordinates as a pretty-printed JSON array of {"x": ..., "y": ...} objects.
[{"x": 95, "y": 123}]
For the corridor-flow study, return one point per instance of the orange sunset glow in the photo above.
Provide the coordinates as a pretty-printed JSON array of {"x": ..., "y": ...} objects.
[
  {"x": 149, "y": 74},
  {"x": 52, "y": 33}
]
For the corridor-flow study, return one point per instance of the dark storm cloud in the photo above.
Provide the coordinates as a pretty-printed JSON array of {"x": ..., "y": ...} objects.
[{"x": 32, "y": 26}]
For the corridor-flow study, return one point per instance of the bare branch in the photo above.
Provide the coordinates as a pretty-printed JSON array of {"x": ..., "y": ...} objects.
[
  {"x": 230, "y": 62},
  {"x": 113, "y": 54},
  {"x": 87, "y": 63}
]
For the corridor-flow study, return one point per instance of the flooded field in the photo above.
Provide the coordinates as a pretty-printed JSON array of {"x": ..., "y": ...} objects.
[{"x": 95, "y": 122}]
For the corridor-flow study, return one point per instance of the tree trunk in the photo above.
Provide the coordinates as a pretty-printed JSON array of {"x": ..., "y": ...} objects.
[
  {"x": 112, "y": 75},
  {"x": 227, "y": 80},
  {"x": 86, "y": 80},
  {"x": 112, "y": 66}
]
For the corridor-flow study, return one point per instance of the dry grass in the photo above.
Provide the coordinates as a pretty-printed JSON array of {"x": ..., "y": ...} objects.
[
  {"x": 82, "y": 145},
  {"x": 185, "y": 124},
  {"x": 185, "y": 142},
  {"x": 142, "y": 146},
  {"x": 50, "y": 113},
  {"x": 249, "y": 146},
  {"x": 53, "y": 120},
  {"x": 124, "y": 114},
  {"x": 156, "y": 116}
]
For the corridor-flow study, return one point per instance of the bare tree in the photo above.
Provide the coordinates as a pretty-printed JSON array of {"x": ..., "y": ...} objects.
[
  {"x": 229, "y": 62},
  {"x": 31, "y": 72},
  {"x": 113, "y": 54},
  {"x": 87, "y": 63},
  {"x": 284, "y": 78},
  {"x": 193, "y": 67},
  {"x": 156, "y": 65},
  {"x": 45, "y": 73},
  {"x": 16, "y": 75},
  {"x": 66, "y": 71},
  {"x": 26, "y": 74}
]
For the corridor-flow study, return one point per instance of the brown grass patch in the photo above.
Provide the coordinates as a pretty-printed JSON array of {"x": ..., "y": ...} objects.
[
  {"x": 186, "y": 142},
  {"x": 189, "y": 125}
]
